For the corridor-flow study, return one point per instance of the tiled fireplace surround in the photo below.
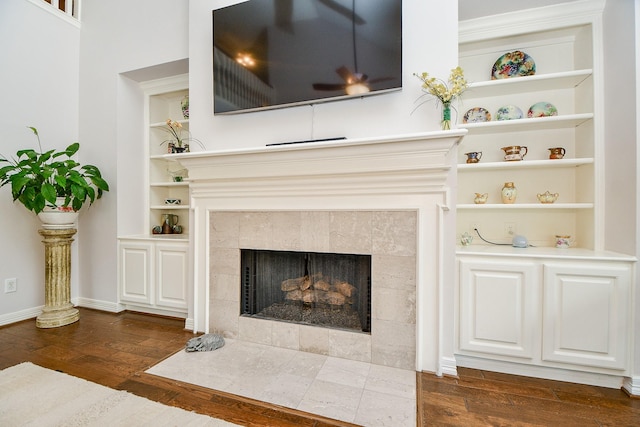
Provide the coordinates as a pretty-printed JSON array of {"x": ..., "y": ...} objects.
[
  {"x": 388, "y": 236},
  {"x": 388, "y": 197}
]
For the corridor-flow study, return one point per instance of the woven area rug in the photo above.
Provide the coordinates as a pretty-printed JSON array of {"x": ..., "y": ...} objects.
[{"x": 34, "y": 396}]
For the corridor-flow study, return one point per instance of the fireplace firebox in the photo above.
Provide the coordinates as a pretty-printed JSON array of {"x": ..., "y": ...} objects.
[{"x": 322, "y": 289}]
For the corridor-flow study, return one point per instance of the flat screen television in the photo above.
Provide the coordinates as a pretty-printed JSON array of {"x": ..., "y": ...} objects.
[{"x": 277, "y": 53}]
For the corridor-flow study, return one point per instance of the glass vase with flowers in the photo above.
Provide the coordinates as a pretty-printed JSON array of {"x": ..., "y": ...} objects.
[
  {"x": 179, "y": 137},
  {"x": 444, "y": 92}
]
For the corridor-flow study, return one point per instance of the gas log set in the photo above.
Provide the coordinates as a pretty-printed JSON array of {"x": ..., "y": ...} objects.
[
  {"x": 318, "y": 289},
  {"x": 330, "y": 290}
]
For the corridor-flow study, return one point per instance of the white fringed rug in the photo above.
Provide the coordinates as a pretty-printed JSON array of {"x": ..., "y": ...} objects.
[{"x": 34, "y": 396}]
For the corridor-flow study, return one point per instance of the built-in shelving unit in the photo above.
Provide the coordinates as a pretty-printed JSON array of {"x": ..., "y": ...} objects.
[
  {"x": 154, "y": 269},
  {"x": 565, "y": 63},
  {"x": 539, "y": 309}
]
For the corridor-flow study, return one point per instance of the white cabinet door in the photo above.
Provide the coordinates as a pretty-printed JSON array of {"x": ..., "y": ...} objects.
[
  {"x": 172, "y": 265},
  {"x": 135, "y": 272},
  {"x": 499, "y": 307},
  {"x": 586, "y": 314}
]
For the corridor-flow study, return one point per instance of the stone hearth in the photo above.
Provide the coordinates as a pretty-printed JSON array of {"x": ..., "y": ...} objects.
[{"x": 389, "y": 197}]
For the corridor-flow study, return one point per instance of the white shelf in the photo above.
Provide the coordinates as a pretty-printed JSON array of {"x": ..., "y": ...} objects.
[
  {"x": 170, "y": 207},
  {"x": 156, "y": 237},
  {"x": 536, "y": 83},
  {"x": 161, "y": 124},
  {"x": 525, "y": 164},
  {"x": 516, "y": 206},
  {"x": 539, "y": 123},
  {"x": 169, "y": 184}
]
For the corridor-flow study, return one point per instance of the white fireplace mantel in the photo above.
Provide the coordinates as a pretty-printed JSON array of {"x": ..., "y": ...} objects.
[{"x": 404, "y": 172}]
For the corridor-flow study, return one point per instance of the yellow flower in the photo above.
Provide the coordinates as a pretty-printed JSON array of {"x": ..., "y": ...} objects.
[{"x": 440, "y": 89}]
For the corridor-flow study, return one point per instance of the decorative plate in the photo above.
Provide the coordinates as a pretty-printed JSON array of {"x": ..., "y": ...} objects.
[
  {"x": 509, "y": 112},
  {"x": 476, "y": 115},
  {"x": 542, "y": 109},
  {"x": 513, "y": 64}
]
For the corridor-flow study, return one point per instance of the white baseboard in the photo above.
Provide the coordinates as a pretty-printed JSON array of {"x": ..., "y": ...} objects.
[
  {"x": 18, "y": 316},
  {"x": 580, "y": 377},
  {"x": 95, "y": 304},
  {"x": 632, "y": 385},
  {"x": 448, "y": 366}
]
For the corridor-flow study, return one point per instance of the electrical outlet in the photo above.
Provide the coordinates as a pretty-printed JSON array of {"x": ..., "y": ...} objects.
[
  {"x": 509, "y": 229},
  {"x": 10, "y": 285}
]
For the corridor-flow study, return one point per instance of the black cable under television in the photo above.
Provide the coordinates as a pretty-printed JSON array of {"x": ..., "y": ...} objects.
[{"x": 279, "y": 53}]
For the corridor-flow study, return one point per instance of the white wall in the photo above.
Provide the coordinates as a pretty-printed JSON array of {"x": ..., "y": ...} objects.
[
  {"x": 620, "y": 133},
  {"x": 40, "y": 88},
  {"x": 118, "y": 37}
]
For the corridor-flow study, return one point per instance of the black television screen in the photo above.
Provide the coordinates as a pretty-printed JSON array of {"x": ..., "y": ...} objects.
[{"x": 276, "y": 53}]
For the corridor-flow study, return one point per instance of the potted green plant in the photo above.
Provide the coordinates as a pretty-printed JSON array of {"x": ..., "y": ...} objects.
[
  {"x": 51, "y": 181},
  {"x": 179, "y": 137}
]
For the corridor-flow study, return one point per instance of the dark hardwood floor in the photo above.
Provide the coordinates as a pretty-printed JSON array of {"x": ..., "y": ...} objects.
[{"x": 116, "y": 349}]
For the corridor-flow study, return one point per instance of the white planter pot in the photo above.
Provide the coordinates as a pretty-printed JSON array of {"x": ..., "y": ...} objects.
[{"x": 58, "y": 217}]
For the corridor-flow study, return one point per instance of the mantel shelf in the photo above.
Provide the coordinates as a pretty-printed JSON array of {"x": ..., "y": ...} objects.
[
  {"x": 537, "y": 123},
  {"x": 525, "y": 164},
  {"x": 527, "y": 206}
]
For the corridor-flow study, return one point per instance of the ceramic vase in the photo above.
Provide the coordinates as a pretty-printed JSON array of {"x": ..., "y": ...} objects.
[
  {"x": 509, "y": 193},
  {"x": 446, "y": 116},
  {"x": 184, "y": 104}
]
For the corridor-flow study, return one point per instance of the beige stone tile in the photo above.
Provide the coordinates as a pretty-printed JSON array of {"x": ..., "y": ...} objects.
[
  {"x": 394, "y": 232},
  {"x": 331, "y": 400},
  {"x": 285, "y": 335},
  {"x": 224, "y": 229},
  {"x": 255, "y": 330},
  {"x": 225, "y": 261},
  {"x": 395, "y": 272},
  {"x": 384, "y": 410},
  {"x": 394, "y": 305},
  {"x": 343, "y": 371},
  {"x": 285, "y": 227},
  {"x": 389, "y": 380},
  {"x": 223, "y": 317},
  {"x": 393, "y": 344},
  {"x": 256, "y": 230},
  {"x": 350, "y": 232},
  {"x": 225, "y": 287},
  {"x": 350, "y": 345},
  {"x": 314, "y": 231},
  {"x": 314, "y": 339},
  {"x": 304, "y": 364}
]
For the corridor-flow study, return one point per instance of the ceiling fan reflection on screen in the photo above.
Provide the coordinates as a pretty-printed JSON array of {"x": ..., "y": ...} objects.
[{"x": 354, "y": 82}]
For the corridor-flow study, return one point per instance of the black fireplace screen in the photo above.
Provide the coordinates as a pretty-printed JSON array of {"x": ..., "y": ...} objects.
[{"x": 331, "y": 290}]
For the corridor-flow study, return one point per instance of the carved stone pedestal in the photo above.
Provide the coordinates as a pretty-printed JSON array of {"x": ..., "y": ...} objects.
[{"x": 58, "y": 310}]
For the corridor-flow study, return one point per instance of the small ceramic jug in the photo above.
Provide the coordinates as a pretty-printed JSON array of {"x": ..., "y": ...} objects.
[
  {"x": 514, "y": 152},
  {"x": 548, "y": 197},
  {"x": 556, "y": 153},
  {"x": 509, "y": 193},
  {"x": 474, "y": 156},
  {"x": 481, "y": 198},
  {"x": 466, "y": 239},
  {"x": 563, "y": 242}
]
